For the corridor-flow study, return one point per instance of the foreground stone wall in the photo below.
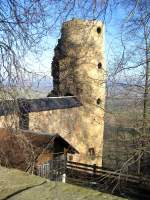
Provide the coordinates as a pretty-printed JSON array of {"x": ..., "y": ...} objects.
[
  {"x": 18, "y": 185},
  {"x": 78, "y": 69}
]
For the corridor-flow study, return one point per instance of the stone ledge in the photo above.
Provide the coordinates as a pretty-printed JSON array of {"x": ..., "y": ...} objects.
[{"x": 18, "y": 185}]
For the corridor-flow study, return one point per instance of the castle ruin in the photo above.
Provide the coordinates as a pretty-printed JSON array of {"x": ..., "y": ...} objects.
[{"x": 78, "y": 69}]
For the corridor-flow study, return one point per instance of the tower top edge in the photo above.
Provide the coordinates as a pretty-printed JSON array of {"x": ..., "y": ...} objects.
[{"x": 75, "y": 22}]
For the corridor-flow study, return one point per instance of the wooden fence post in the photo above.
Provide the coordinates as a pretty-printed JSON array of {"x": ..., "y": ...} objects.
[{"x": 94, "y": 170}]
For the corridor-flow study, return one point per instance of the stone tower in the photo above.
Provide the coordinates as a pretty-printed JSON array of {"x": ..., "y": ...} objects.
[{"x": 78, "y": 69}]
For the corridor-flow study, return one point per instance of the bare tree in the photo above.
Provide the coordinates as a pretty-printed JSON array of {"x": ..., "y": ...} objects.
[
  {"x": 131, "y": 65},
  {"x": 138, "y": 27}
]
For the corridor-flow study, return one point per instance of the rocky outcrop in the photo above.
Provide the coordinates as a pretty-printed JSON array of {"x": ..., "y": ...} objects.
[{"x": 17, "y": 185}]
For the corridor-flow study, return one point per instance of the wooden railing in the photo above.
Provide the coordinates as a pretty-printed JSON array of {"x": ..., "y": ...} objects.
[
  {"x": 83, "y": 167},
  {"x": 82, "y": 170}
]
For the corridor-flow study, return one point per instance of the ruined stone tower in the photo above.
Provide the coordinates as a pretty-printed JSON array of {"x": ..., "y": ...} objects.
[{"x": 78, "y": 69}]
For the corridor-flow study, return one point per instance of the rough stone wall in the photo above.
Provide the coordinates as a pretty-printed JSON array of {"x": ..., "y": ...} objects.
[{"x": 78, "y": 69}]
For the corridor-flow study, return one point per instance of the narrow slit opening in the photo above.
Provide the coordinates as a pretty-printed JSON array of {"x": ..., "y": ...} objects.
[
  {"x": 98, "y": 30},
  {"x": 98, "y": 101},
  {"x": 99, "y": 65}
]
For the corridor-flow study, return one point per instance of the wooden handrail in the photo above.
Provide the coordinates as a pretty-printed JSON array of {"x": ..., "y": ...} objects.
[
  {"x": 83, "y": 164},
  {"x": 113, "y": 174}
]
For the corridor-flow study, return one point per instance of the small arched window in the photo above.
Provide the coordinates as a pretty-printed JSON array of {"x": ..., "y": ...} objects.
[
  {"x": 99, "y": 65},
  {"x": 91, "y": 152},
  {"x": 98, "y": 101},
  {"x": 98, "y": 30}
]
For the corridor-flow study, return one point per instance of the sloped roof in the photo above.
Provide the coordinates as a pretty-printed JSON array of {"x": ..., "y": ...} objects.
[
  {"x": 37, "y": 105},
  {"x": 44, "y": 138},
  {"x": 18, "y": 185},
  {"x": 18, "y": 148}
]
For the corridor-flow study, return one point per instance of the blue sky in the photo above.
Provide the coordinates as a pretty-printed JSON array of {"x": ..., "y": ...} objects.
[{"x": 41, "y": 64}]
